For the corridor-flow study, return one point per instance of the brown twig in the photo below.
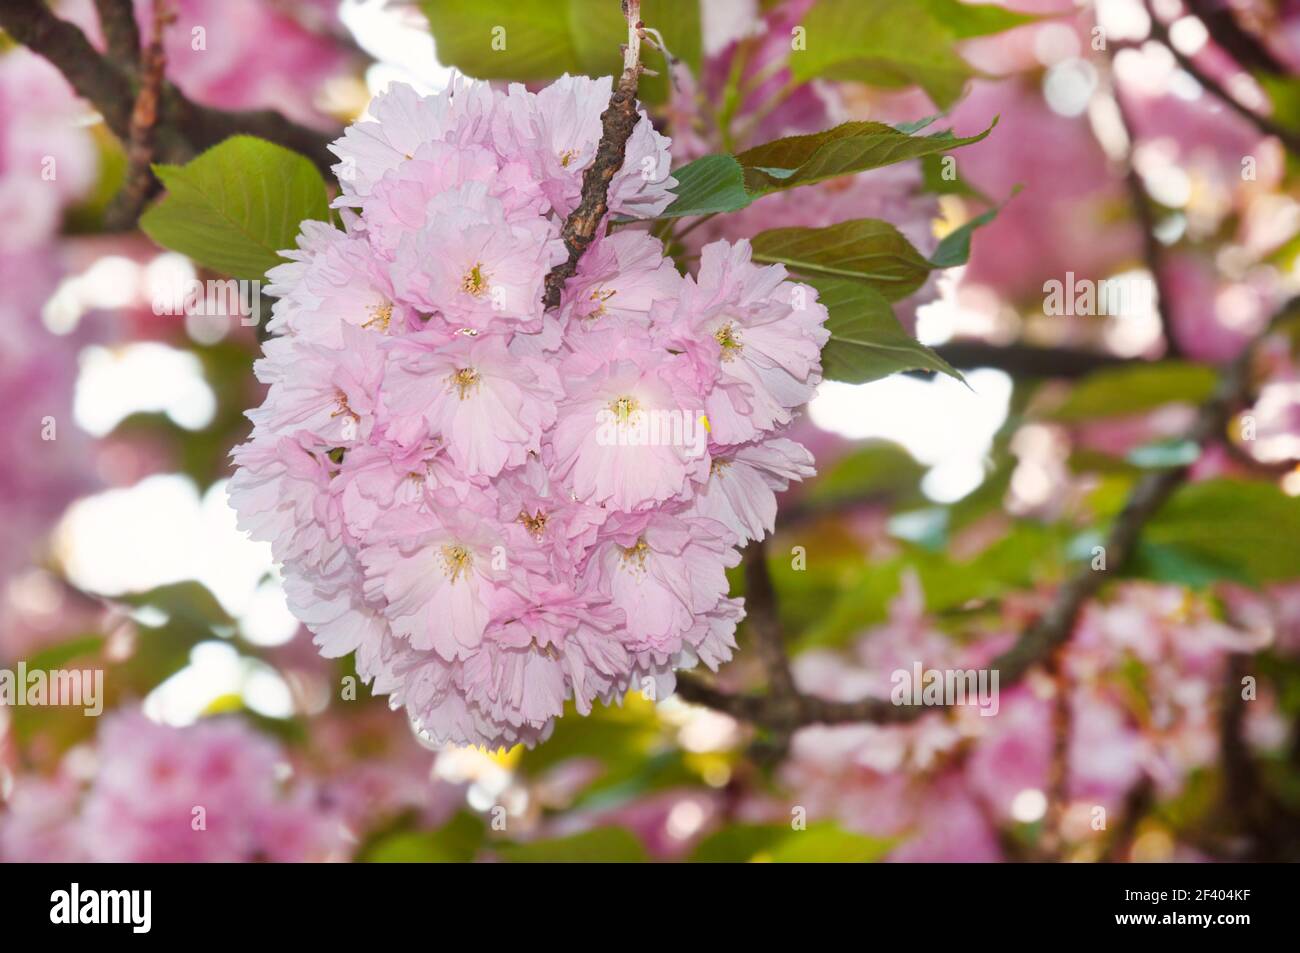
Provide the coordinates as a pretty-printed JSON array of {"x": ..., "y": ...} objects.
[
  {"x": 140, "y": 181},
  {"x": 616, "y": 124},
  {"x": 184, "y": 128},
  {"x": 1051, "y": 629}
]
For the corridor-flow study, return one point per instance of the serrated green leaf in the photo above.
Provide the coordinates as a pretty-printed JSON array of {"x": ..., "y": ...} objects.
[
  {"x": 236, "y": 206},
  {"x": 847, "y": 148},
  {"x": 867, "y": 342},
  {"x": 537, "y": 42},
  {"x": 954, "y": 248},
  {"x": 710, "y": 184},
  {"x": 862, "y": 249},
  {"x": 896, "y": 43},
  {"x": 721, "y": 183},
  {"x": 965, "y": 20}
]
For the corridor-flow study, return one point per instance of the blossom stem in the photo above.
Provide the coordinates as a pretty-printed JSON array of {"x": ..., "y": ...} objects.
[
  {"x": 617, "y": 122},
  {"x": 140, "y": 181}
]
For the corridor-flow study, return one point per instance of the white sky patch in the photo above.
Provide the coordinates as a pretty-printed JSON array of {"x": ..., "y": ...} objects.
[
  {"x": 162, "y": 531},
  {"x": 398, "y": 38},
  {"x": 145, "y": 377},
  {"x": 941, "y": 422},
  {"x": 217, "y": 671}
]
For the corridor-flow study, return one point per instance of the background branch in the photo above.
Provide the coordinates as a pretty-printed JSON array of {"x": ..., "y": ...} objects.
[
  {"x": 184, "y": 128},
  {"x": 1265, "y": 124},
  {"x": 121, "y": 32},
  {"x": 1051, "y": 629}
]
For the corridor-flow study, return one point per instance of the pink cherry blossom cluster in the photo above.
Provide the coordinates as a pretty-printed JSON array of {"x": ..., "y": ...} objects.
[
  {"x": 215, "y": 792},
  {"x": 498, "y": 507}
]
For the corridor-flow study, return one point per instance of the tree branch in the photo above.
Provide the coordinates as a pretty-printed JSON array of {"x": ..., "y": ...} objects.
[
  {"x": 1242, "y": 45},
  {"x": 1265, "y": 124},
  {"x": 1026, "y": 360},
  {"x": 1054, "y": 626},
  {"x": 140, "y": 181},
  {"x": 184, "y": 128},
  {"x": 1140, "y": 200},
  {"x": 121, "y": 32},
  {"x": 616, "y": 123}
]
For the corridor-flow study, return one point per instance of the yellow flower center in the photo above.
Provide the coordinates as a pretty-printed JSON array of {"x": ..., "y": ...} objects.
[
  {"x": 380, "y": 315},
  {"x": 600, "y": 296},
  {"x": 456, "y": 561},
  {"x": 634, "y": 557},
  {"x": 465, "y": 381},
  {"x": 624, "y": 407},
  {"x": 728, "y": 341},
  {"x": 567, "y": 156},
  {"x": 475, "y": 282}
]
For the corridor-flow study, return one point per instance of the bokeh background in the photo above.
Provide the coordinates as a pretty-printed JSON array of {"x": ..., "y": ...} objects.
[{"x": 942, "y": 519}]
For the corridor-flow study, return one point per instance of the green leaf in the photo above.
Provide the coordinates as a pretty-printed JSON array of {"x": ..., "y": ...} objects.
[
  {"x": 709, "y": 184},
  {"x": 233, "y": 208},
  {"x": 896, "y": 43},
  {"x": 1120, "y": 391},
  {"x": 536, "y": 42},
  {"x": 603, "y": 845},
  {"x": 1230, "y": 529},
  {"x": 721, "y": 183},
  {"x": 862, "y": 249},
  {"x": 954, "y": 248},
  {"x": 867, "y": 342},
  {"x": 822, "y": 842},
  {"x": 846, "y": 148},
  {"x": 966, "y": 20}
]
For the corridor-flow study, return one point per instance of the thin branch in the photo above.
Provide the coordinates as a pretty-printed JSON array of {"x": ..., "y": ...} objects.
[
  {"x": 1239, "y": 43},
  {"x": 1026, "y": 360},
  {"x": 1143, "y": 210},
  {"x": 764, "y": 623},
  {"x": 1051, "y": 629},
  {"x": 616, "y": 123},
  {"x": 140, "y": 181},
  {"x": 1265, "y": 124},
  {"x": 184, "y": 128}
]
